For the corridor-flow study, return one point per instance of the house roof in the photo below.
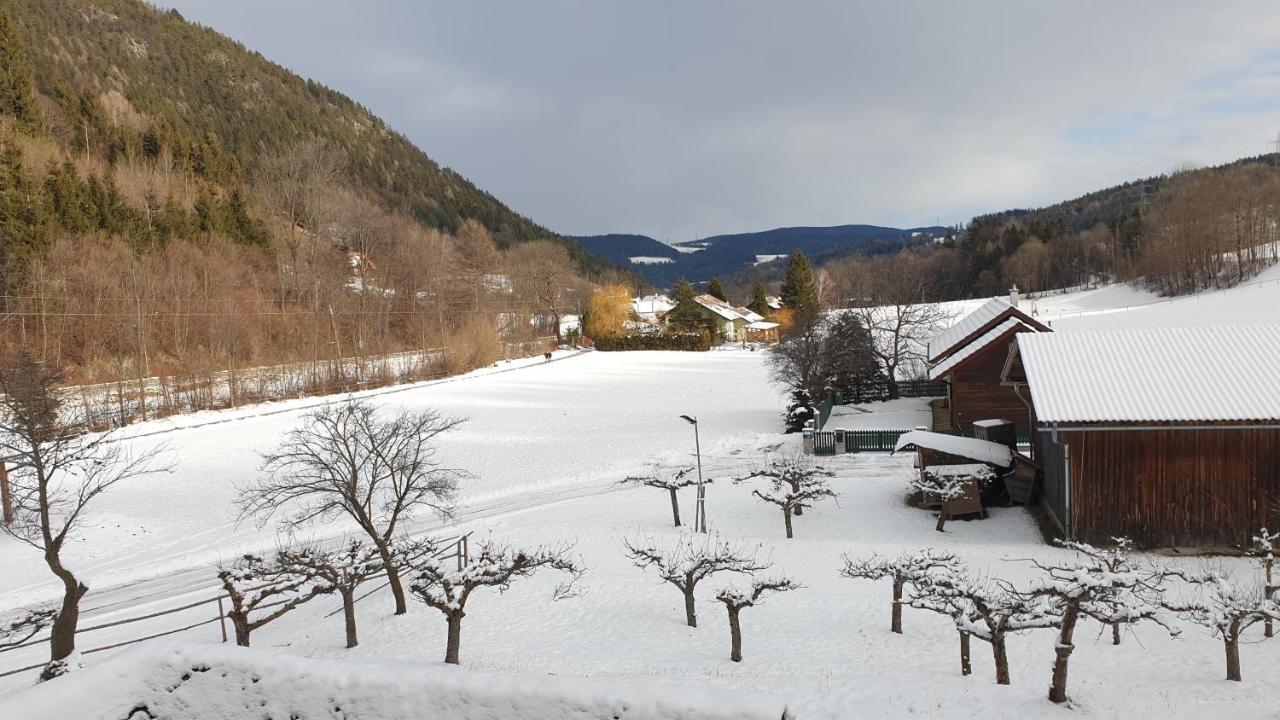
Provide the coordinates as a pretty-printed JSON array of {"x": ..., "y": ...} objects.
[
  {"x": 763, "y": 325},
  {"x": 971, "y": 448},
  {"x": 993, "y": 311},
  {"x": 1202, "y": 374},
  {"x": 1010, "y": 325},
  {"x": 718, "y": 306},
  {"x": 652, "y": 304},
  {"x": 748, "y": 315}
]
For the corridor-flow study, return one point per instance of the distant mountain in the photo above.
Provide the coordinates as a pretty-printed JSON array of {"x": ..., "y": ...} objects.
[{"x": 730, "y": 255}]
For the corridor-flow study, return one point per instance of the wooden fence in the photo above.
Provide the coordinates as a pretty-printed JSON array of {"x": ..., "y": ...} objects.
[
  {"x": 824, "y": 441},
  {"x": 457, "y": 548},
  {"x": 876, "y": 391}
]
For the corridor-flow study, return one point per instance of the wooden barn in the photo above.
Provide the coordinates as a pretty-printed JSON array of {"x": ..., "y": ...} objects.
[
  {"x": 969, "y": 356},
  {"x": 1170, "y": 437}
]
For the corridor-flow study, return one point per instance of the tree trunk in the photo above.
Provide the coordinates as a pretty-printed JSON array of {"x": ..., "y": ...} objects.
[
  {"x": 1058, "y": 689},
  {"x": 1115, "y": 633},
  {"x": 241, "y": 625},
  {"x": 349, "y": 615},
  {"x": 966, "y": 667},
  {"x": 690, "y": 613},
  {"x": 1231, "y": 640},
  {"x": 895, "y": 624},
  {"x": 393, "y": 576},
  {"x": 786, "y": 518},
  {"x": 1001, "y": 657},
  {"x": 675, "y": 506},
  {"x": 62, "y": 637},
  {"x": 735, "y": 635},
  {"x": 795, "y": 488},
  {"x": 455, "y": 639},
  {"x": 942, "y": 517}
]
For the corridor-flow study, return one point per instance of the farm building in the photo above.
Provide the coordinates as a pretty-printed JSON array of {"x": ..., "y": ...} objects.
[
  {"x": 969, "y": 356},
  {"x": 1170, "y": 437}
]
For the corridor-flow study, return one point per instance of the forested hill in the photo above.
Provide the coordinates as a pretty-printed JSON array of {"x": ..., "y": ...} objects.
[
  {"x": 123, "y": 76},
  {"x": 727, "y": 256}
]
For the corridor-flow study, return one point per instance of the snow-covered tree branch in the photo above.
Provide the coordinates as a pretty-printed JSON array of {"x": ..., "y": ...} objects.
[
  {"x": 439, "y": 583},
  {"x": 906, "y": 568},
  {"x": 691, "y": 560},
  {"x": 255, "y": 584},
  {"x": 1227, "y": 609},
  {"x": 670, "y": 479},
  {"x": 22, "y": 625},
  {"x": 796, "y": 483},
  {"x": 341, "y": 571},
  {"x": 735, "y": 599}
]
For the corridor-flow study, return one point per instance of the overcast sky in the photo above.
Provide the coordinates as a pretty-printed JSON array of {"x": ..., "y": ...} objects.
[{"x": 680, "y": 119}]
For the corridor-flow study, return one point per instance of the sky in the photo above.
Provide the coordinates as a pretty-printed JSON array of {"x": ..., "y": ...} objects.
[{"x": 683, "y": 118}]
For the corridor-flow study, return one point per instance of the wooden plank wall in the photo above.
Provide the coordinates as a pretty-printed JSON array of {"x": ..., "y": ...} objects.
[
  {"x": 976, "y": 392},
  {"x": 1164, "y": 488}
]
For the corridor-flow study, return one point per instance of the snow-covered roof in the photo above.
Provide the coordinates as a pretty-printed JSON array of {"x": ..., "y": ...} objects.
[
  {"x": 989, "y": 423},
  {"x": 718, "y": 306},
  {"x": 652, "y": 304},
  {"x": 748, "y": 315},
  {"x": 974, "y": 470},
  {"x": 773, "y": 301},
  {"x": 972, "y": 448},
  {"x": 763, "y": 325},
  {"x": 989, "y": 312},
  {"x": 1199, "y": 374},
  {"x": 981, "y": 342}
]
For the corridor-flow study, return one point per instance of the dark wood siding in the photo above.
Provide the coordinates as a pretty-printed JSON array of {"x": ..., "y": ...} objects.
[
  {"x": 976, "y": 392},
  {"x": 1196, "y": 488}
]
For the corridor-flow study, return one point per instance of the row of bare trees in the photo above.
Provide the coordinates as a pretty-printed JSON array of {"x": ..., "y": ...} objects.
[{"x": 1102, "y": 584}]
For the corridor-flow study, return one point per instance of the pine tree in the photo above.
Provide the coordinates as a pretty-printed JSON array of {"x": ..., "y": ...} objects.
[
  {"x": 799, "y": 292},
  {"x": 686, "y": 316},
  {"x": 17, "y": 89},
  {"x": 759, "y": 301},
  {"x": 716, "y": 290},
  {"x": 800, "y": 411}
]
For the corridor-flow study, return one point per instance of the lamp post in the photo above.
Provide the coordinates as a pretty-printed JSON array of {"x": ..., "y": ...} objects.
[{"x": 700, "y": 511}]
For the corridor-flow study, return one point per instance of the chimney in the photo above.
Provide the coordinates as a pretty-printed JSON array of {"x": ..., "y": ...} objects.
[{"x": 1014, "y": 295}]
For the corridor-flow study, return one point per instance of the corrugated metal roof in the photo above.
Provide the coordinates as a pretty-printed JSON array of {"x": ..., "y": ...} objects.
[
  {"x": 1203, "y": 374},
  {"x": 718, "y": 306},
  {"x": 984, "y": 340},
  {"x": 967, "y": 325}
]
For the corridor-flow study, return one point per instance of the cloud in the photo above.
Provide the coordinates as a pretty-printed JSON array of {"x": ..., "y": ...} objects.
[{"x": 679, "y": 119}]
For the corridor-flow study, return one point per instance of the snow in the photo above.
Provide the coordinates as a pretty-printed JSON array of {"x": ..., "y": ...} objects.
[
  {"x": 1209, "y": 374},
  {"x": 762, "y": 259},
  {"x": 201, "y": 682},
  {"x": 900, "y": 414},
  {"x": 941, "y": 369},
  {"x": 687, "y": 249},
  {"x": 972, "y": 448},
  {"x": 650, "y": 260},
  {"x": 966, "y": 326}
]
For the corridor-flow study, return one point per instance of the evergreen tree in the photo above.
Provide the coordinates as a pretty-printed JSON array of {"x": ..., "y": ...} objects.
[
  {"x": 716, "y": 290},
  {"x": 800, "y": 411},
  {"x": 687, "y": 315},
  {"x": 799, "y": 292},
  {"x": 759, "y": 302},
  {"x": 17, "y": 90}
]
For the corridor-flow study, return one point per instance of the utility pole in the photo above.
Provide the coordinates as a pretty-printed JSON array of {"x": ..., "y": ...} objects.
[
  {"x": 1275, "y": 161},
  {"x": 700, "y": 511}
]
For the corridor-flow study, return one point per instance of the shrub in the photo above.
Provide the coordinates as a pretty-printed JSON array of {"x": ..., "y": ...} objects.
[{"x": 684, "y": 341}]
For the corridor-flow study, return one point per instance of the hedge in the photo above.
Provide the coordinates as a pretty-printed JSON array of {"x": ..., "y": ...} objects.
[{"x": 690, "y": 342}]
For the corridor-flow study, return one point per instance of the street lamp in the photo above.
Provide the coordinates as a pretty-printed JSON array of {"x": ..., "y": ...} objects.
[{"x": 700, "y": 512}]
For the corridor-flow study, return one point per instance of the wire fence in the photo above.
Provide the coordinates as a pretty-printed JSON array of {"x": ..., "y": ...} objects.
[{"x": 457, "y": 548}]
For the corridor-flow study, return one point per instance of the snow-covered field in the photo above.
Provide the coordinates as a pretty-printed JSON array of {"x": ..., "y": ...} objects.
[{"x": 548, "y": 441}]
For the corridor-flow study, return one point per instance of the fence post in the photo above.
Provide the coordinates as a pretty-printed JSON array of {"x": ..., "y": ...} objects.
[{"x": 222, "y": 619}]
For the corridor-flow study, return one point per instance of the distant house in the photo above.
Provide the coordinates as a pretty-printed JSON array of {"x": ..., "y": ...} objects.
[
  {"x": 969, "y": 356},
  {"x": 773, "y": 301},
  {"x": 728, "y": 320},
  {"x": 652, "y": 308},
  {"x": 1170, "y": 437}
]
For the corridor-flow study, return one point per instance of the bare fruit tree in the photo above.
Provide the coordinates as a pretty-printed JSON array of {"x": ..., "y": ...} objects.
[
  {"x": 985, "y": 608},
  {"x": 58, "y": 471},
  {"x": 1263, "y": 547},
  {"x": 341, "y": 571},
  {"x": 1088, "y": 588},
  {"x": 794, "y": 498},
  {"x": 946, "y": 488},
  {"x": 1227, "y": 609},
  {"x": 442, "y": 585},
  {"x": 25, "y": 624},
  {"x": 255, "y": 584},
  {"x": 736, "y": 599},
  {"x": 691, "y": 560},
  {"x": 905, "y": 569},
  {"x": 670, "y": 479},
  {"x": 796, "y": 471},
  {"x": 348, "y": 460}
]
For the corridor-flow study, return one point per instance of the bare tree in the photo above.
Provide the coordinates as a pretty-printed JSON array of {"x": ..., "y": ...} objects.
[
  {"x": 794, "y": 494},
  {"x": 795, "y": 471},
  {"x": 985, "y": 608},
  {"x": 736, "y": 599},
  {"x": 690, "y": 560},
  {"x": 542, "y": 273},
  {"x": 254, "y": 583},
  {"x": 1087, "y": 588},
  {"x": 1263, "y": 547},
  {"x": 894, "y": 305},
  {"x": 946, "y": 488},
  {"x": 907, "y": 568},
  {"x": 670, "y": 479},
  {"x": 341, "y": 571},
  {"x": 346, "y": 460},
  {"x": 447, "y": 588},
  {"x": 58, "y": 472},
  {"x": 25, "y": 624},
  {"x": 1228, "y": 610}
]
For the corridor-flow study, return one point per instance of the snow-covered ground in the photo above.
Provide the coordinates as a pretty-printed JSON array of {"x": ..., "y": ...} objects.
[
  {"x": 901, "y": 414},
  {"x": 548, "y": 441}
]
